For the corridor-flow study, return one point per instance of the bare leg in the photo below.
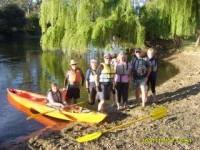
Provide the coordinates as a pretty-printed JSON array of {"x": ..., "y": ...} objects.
[
  {"x": 144, "y": 94},
  {"x": 75, "y": 101},
  {"x": 154, "y": 97},
  {"x": 101, "y": 106},
  {"x": 69, "y": 101},
  {"x": 118, "y": 105},
  {"x": 137, "y": 95}
]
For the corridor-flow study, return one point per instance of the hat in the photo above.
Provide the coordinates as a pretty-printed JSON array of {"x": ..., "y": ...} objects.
[
  {"x": 138, "y": 50},
  {"x": 73, "y": 62},
  {"x": 106, "y": 55},
  {"x": 93, "y": 61}
]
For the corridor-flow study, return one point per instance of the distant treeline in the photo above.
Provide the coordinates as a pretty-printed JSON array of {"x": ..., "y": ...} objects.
[{"x": 15, "y": 21}]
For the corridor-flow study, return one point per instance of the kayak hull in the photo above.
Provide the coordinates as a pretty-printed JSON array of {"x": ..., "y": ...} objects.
[{"x": 37, "y": 102}]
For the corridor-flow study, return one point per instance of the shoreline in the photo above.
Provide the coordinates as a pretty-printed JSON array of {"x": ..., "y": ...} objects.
[{"x": 180, "y": 129}]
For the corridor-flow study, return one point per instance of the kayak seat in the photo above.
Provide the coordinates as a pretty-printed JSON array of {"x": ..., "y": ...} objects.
[{"x": 38, "y": 99}]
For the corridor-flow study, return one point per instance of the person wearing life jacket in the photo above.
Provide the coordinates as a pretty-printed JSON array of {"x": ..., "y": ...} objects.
[
  {"x": 122, "y": 78},
  {"x": 90, "y": 81},
  {"x": 153, "y": 75},
  {"x": 55, "y": 97},
  {"x": 141, "y": 69},
  {"x": 104, "y": 81},
  {"x": 114, "y": 91},
  {"x": 74, "y": 80}
]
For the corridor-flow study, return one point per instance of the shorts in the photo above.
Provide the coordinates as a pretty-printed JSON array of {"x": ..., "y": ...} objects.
[
  {"x": 138, "y": 83},
  {"x": 105, "y": 92},
  {"x": 73, "y": 93}
]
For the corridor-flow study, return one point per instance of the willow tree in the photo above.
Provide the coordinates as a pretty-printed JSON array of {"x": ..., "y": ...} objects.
[
  {"x": 73, "y": 25},
  {"x": 175, "y": 17}
]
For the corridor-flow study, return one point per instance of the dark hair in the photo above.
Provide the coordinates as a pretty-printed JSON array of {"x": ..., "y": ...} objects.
[
  {"x": 54, "y": 84},
  {"x": 114, "y": 55}
]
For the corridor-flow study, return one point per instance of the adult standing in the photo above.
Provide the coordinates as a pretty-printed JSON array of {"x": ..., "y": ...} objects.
[
  {"x": 122, "y": 78},
  {"x": 153, "y": 75},
  {"x": 114, "y": 91},
  {"x": 90, "y": 81},
  {"x": 74, "y": 80},
  {"x": 141, "y": 69},
  {"x": 104, "y": 81}
]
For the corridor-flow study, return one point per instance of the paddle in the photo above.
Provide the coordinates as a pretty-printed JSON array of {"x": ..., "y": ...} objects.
[
  {"x": 157, "y": 113},
  {"x": 39, "y": 114}
]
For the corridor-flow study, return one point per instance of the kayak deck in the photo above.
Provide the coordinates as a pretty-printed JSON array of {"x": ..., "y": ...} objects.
[{"x": 37, "y": 102}]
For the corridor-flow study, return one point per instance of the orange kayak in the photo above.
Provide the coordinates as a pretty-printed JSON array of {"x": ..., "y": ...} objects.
[{"x": 37, "y": 102}]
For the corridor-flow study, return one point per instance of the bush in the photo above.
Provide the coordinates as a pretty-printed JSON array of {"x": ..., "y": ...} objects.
[{"x": 32, "y": 25}]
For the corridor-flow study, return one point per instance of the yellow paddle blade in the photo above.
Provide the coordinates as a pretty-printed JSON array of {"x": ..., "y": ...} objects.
[
  {"x": 89, "y": 137},
  {"x": 159, "y": 112}
]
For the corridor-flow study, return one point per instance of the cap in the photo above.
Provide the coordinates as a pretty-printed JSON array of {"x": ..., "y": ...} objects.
[
  {"x": 138, "y": 50},
  {"x": 106, "y": 55}
]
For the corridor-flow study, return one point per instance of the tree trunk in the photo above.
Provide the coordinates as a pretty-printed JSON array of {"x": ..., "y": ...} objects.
[
  {"x": 177, "y": 41},
  {"x": 198, "y": 41}
]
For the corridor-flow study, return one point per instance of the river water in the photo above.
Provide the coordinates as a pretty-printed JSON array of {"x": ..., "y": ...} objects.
[{"x": 24, "y": 66}]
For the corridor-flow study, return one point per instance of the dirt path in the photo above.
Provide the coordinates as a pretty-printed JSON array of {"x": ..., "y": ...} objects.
[{"x": 179, "y": 130}]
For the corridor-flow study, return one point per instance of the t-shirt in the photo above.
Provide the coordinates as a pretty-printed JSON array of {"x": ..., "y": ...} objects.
[{"x": 90, "y": 74}]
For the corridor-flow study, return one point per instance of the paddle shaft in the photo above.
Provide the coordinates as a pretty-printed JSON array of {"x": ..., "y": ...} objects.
[
  {"x": 126, "y": 124},
  {"x": 39, "y": 114},
  {"x": 157, "y": 113}
]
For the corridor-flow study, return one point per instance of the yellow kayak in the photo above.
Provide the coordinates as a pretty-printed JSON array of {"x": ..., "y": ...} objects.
[{"x": 37, "y": 102}]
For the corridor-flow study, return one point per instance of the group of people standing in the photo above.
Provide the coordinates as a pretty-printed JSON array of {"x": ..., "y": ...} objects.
[{"x": 114, "y": 75}]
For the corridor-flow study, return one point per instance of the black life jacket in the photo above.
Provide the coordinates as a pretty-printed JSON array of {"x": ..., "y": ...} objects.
[
  {"x": 57, "y": 97},
  {"x": 139, "y": 69}
]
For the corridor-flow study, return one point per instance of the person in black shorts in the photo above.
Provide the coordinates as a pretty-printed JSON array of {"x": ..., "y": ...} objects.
[{"x": 74, "y": 80}]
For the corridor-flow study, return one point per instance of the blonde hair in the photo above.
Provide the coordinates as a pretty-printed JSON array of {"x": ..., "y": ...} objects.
[
  {"x": 124, "y": 55},
  {"x": 152, "y": 50}
]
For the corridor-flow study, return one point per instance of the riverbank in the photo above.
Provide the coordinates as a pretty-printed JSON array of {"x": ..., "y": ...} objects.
[{"x": 179, "y": 130}]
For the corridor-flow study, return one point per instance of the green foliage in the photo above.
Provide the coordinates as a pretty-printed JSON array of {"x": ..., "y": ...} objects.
[
  {"x": 13, "y": 18},
  {"x": 183, "y": 16},
  {"x": 166, "y": 18},
  {"x": 32, "y": 24},
  {"x": 73, "y": 25}
]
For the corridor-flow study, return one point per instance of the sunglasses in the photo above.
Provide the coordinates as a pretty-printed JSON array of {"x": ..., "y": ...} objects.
[
  {"x": 73, "y": 64},
  {"x": 138, "y": 52}
]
